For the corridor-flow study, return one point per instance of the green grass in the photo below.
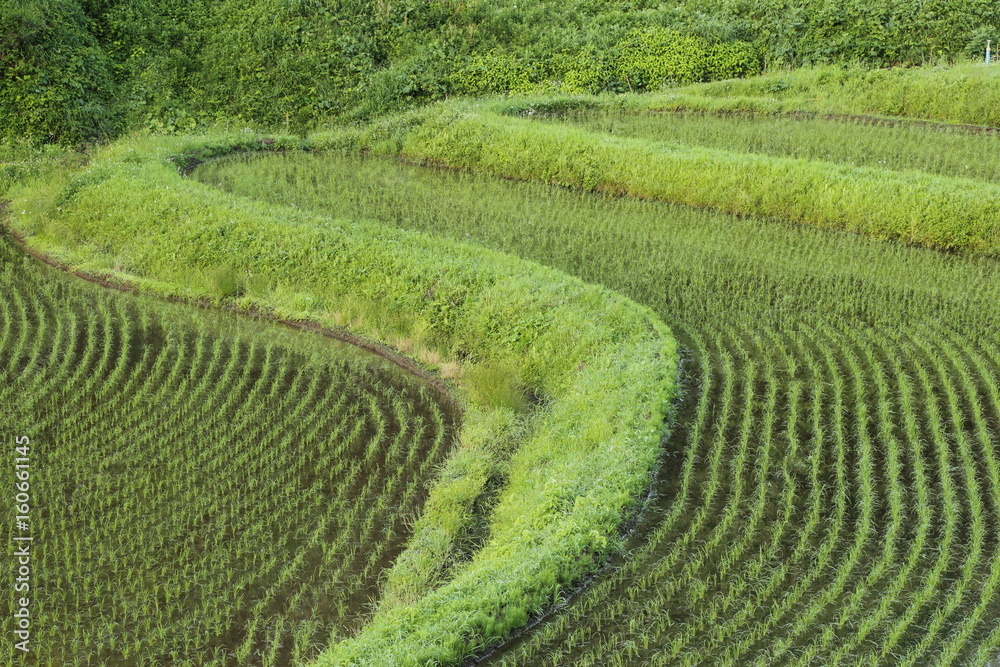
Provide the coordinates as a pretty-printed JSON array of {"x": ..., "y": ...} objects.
[
  {"x": 832, "y": 490},
  {"x": 528, "y": 502},
  {"x": 207, "y": 490}
]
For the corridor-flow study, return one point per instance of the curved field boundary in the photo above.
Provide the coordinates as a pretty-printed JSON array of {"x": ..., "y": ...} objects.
[
  {"x": 944, "y": 151},
  {"x": 600, "y": 369},
  {"x": 918, "y": 209},
  {"x": 963, "y": 94},
  {"x": 725, "y": 106},
  {"x": 341, "y": 334}
]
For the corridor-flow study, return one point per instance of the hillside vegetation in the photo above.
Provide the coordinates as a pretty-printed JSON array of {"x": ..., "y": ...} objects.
[{"x": 76, "y": 70}]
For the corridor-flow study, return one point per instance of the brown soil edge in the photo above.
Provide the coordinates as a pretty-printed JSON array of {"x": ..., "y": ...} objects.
[{"x": 343, "y": 335}]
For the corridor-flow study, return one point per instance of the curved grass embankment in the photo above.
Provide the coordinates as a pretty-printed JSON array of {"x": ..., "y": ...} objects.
[
  {"x": 961, "y": 94},
  {"x": 568, "y": 385},
  {"x": 936, "y": 149},
  {"x": 837, "y": 493},
  {"x": 958, "y": 95}
]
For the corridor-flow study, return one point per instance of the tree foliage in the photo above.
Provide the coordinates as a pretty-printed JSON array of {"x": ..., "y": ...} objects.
[{"x": 74, "y": 70}]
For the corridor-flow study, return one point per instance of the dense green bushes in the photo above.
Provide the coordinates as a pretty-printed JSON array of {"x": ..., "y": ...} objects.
[
  {"x": 599, "y": 371},
  {"x": 646, "y": 59},
  {"x": 75, "y": 70},
  {"x": 654, "y": 58},
  {"x": 56, "y": 80}
]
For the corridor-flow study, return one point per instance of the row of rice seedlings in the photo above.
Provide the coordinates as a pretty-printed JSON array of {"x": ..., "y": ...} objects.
[
  {"x": 8, "y": 322},
  {"x": 944, "y": 151},
  {"x": 735, "y": 585},
  {"x": 171, "y": 542},
  {"x": 711, "y": 566},
  {"x": 806, "y": 539},
  {"x": 922, "y": 599},
  {"x": 743, "y": 601},
  {"x": 854, "y": 607},
  {"x": 974, "y": 534},
  {"x": 875, "y": 570},
  {"x": 143, "y": 412},
  {"x": 289, "y": 571},
  {"x": 813, "y": 568},
  {"x": 986, "y": 368},
  {"x": 695, "y": 571},
  {"x": 869, "y": 484},
  {"x": 865, "y": 501}
]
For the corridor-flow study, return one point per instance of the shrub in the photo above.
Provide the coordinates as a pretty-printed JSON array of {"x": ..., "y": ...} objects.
[{"x": 653, "y": 58}]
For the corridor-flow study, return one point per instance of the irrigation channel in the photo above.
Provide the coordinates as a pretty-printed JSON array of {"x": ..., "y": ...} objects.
[
  {"x": 833, "y": 494},
  {"x": 207, "y": 489}
]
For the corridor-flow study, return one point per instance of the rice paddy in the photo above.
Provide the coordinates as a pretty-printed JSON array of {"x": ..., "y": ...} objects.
[
  {"x": 939, "y": 149},
  {"x": 209, "y": 490},
  {"x": 831, "y": 494}
]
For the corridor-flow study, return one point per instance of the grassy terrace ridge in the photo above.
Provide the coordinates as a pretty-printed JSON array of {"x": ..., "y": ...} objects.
[
  {"x": 938, "y": 150},
  {"x": 934, "y": 211},
  {"x": 967, "y": 94},
  {"x": 568, "y": 385}
]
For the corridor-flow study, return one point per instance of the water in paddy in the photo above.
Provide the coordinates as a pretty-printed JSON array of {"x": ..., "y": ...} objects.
[
  {"x": 206, "y": 489},
  {"x": 832, "y": 491}
]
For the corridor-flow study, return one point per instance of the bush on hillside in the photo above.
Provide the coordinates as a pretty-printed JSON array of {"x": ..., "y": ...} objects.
[
  {"x": 56, "y": 82},
  {"x": 656, "y": 58}
]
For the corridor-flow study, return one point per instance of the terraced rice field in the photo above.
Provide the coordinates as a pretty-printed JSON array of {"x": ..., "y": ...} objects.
[
  {"x": 831, "y": 494},
  {"x": 933, "y": 148},
  {"x": 212, "y": 491}
]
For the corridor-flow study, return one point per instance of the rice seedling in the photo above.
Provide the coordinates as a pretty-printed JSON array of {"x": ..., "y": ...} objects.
[{"x": 943, "y": 150}]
